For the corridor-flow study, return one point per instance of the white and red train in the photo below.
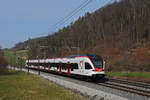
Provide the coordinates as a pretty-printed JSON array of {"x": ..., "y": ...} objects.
[{"x": 85, "y": 66}]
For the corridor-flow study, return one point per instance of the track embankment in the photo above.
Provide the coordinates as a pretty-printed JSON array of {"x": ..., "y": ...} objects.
[{"x": 93, "y": 90}]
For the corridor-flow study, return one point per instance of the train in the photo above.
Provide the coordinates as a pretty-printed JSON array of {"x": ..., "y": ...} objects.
[{"x": 88, "y": 66}]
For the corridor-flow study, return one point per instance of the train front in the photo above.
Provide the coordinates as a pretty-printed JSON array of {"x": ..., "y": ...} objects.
[{"x": 99, "y": 66}]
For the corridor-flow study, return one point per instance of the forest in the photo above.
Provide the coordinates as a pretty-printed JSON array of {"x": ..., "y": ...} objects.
[{"x": 119, "y": 32}]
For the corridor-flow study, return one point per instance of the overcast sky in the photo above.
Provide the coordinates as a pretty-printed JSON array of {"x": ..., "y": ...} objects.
[{"x": 21, "y": 19}]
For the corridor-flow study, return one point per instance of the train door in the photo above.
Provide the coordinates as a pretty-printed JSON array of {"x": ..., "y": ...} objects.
[
  {"x": 60, "y": 64},
  {"x": 88, "y": 68},
  {"x": 49, "y": 66},
  {"x": 82, "y": 67},
  {"x": 68, "y": 68}
]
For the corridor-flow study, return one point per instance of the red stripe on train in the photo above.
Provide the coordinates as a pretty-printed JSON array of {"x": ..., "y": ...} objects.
[
  {"x": 60, "y": 68},
  {"x": 68, "y": 70}
]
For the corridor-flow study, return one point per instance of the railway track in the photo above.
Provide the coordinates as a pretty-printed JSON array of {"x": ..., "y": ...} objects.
[
  {"x": 138, "y": 88},
  {"x": 126, "y": 89},
  {"x": 132, "y": 83}
]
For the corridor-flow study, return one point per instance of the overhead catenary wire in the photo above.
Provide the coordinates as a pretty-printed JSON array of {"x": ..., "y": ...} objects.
[
  {"x": 75, "y": 11},
  {"x": 84, "y": 4},
  {"x": 72, "y": 12}
]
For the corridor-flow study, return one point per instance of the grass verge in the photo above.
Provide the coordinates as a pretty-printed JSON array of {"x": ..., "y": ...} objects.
[
  {"x": 16, "y": 85},
  {"x": 135, "y": 76}
]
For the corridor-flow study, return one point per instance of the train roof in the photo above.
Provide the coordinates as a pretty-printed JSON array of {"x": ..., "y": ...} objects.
[{"x": 89, "y": 55}]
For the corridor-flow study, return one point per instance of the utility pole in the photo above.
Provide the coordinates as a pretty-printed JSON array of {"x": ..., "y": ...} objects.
[
  {"x": 28, "y": 64},
  {"x": 38, "y": 65},
  {"x": 28, "y": 48},
  {"x": 44, "y": 55},
  {"x": 15, "y": 59},
  {"x": 21, "y": 61}
]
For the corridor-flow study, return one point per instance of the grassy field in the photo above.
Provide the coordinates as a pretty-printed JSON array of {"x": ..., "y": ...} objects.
[
  {"x": 12, "y": 56},
  {"x": 18, "y": 53},
  {"x": 16, "y": 85}
]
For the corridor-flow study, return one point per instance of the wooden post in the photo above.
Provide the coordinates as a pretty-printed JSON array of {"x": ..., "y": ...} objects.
[
  {"x": 28, "y": 70},
  {"x": 39, "y": 70}
]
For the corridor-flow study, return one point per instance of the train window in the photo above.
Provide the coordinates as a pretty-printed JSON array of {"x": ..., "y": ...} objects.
[
  {"x": 57, "y": 65},
  {"x": 52, "y": 64},
  {"x": 64, "y": 66},
  {"x": 36, "y": 64},
  {"x": 88, "y": 66},
  {"x": 28, "y": 64},
  {"x": 74, "y": 66},
  {"x": 32, "y": 64},
  {"x": 47, "y": 65}
]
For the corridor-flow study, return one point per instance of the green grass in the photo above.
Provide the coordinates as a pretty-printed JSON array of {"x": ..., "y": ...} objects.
[
  {"x": 16, "y": 85},
  {"x": 12, "y": 56},
  {"x": 18, "y": 53},
  {"x": 129, "y": 74}
]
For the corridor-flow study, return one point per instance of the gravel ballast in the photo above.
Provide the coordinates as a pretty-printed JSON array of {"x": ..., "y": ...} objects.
[{"x": 92, "y": 93}]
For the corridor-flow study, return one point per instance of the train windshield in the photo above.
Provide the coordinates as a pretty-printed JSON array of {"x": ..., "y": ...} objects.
[{"x": 97, "y": 61}]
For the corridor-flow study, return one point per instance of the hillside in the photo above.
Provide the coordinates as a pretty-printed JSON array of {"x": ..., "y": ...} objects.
[{"x": 120, "y": 32}]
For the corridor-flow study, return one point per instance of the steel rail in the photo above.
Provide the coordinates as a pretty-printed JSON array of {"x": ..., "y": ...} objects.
[
  {"x": 126, "y": 89},
  {"x": 130, "y": 88},
  {"x": 133, "y": 83}
]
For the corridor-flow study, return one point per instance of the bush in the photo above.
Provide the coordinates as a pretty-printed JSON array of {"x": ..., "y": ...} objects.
[{"x": 3, "y": 63}]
